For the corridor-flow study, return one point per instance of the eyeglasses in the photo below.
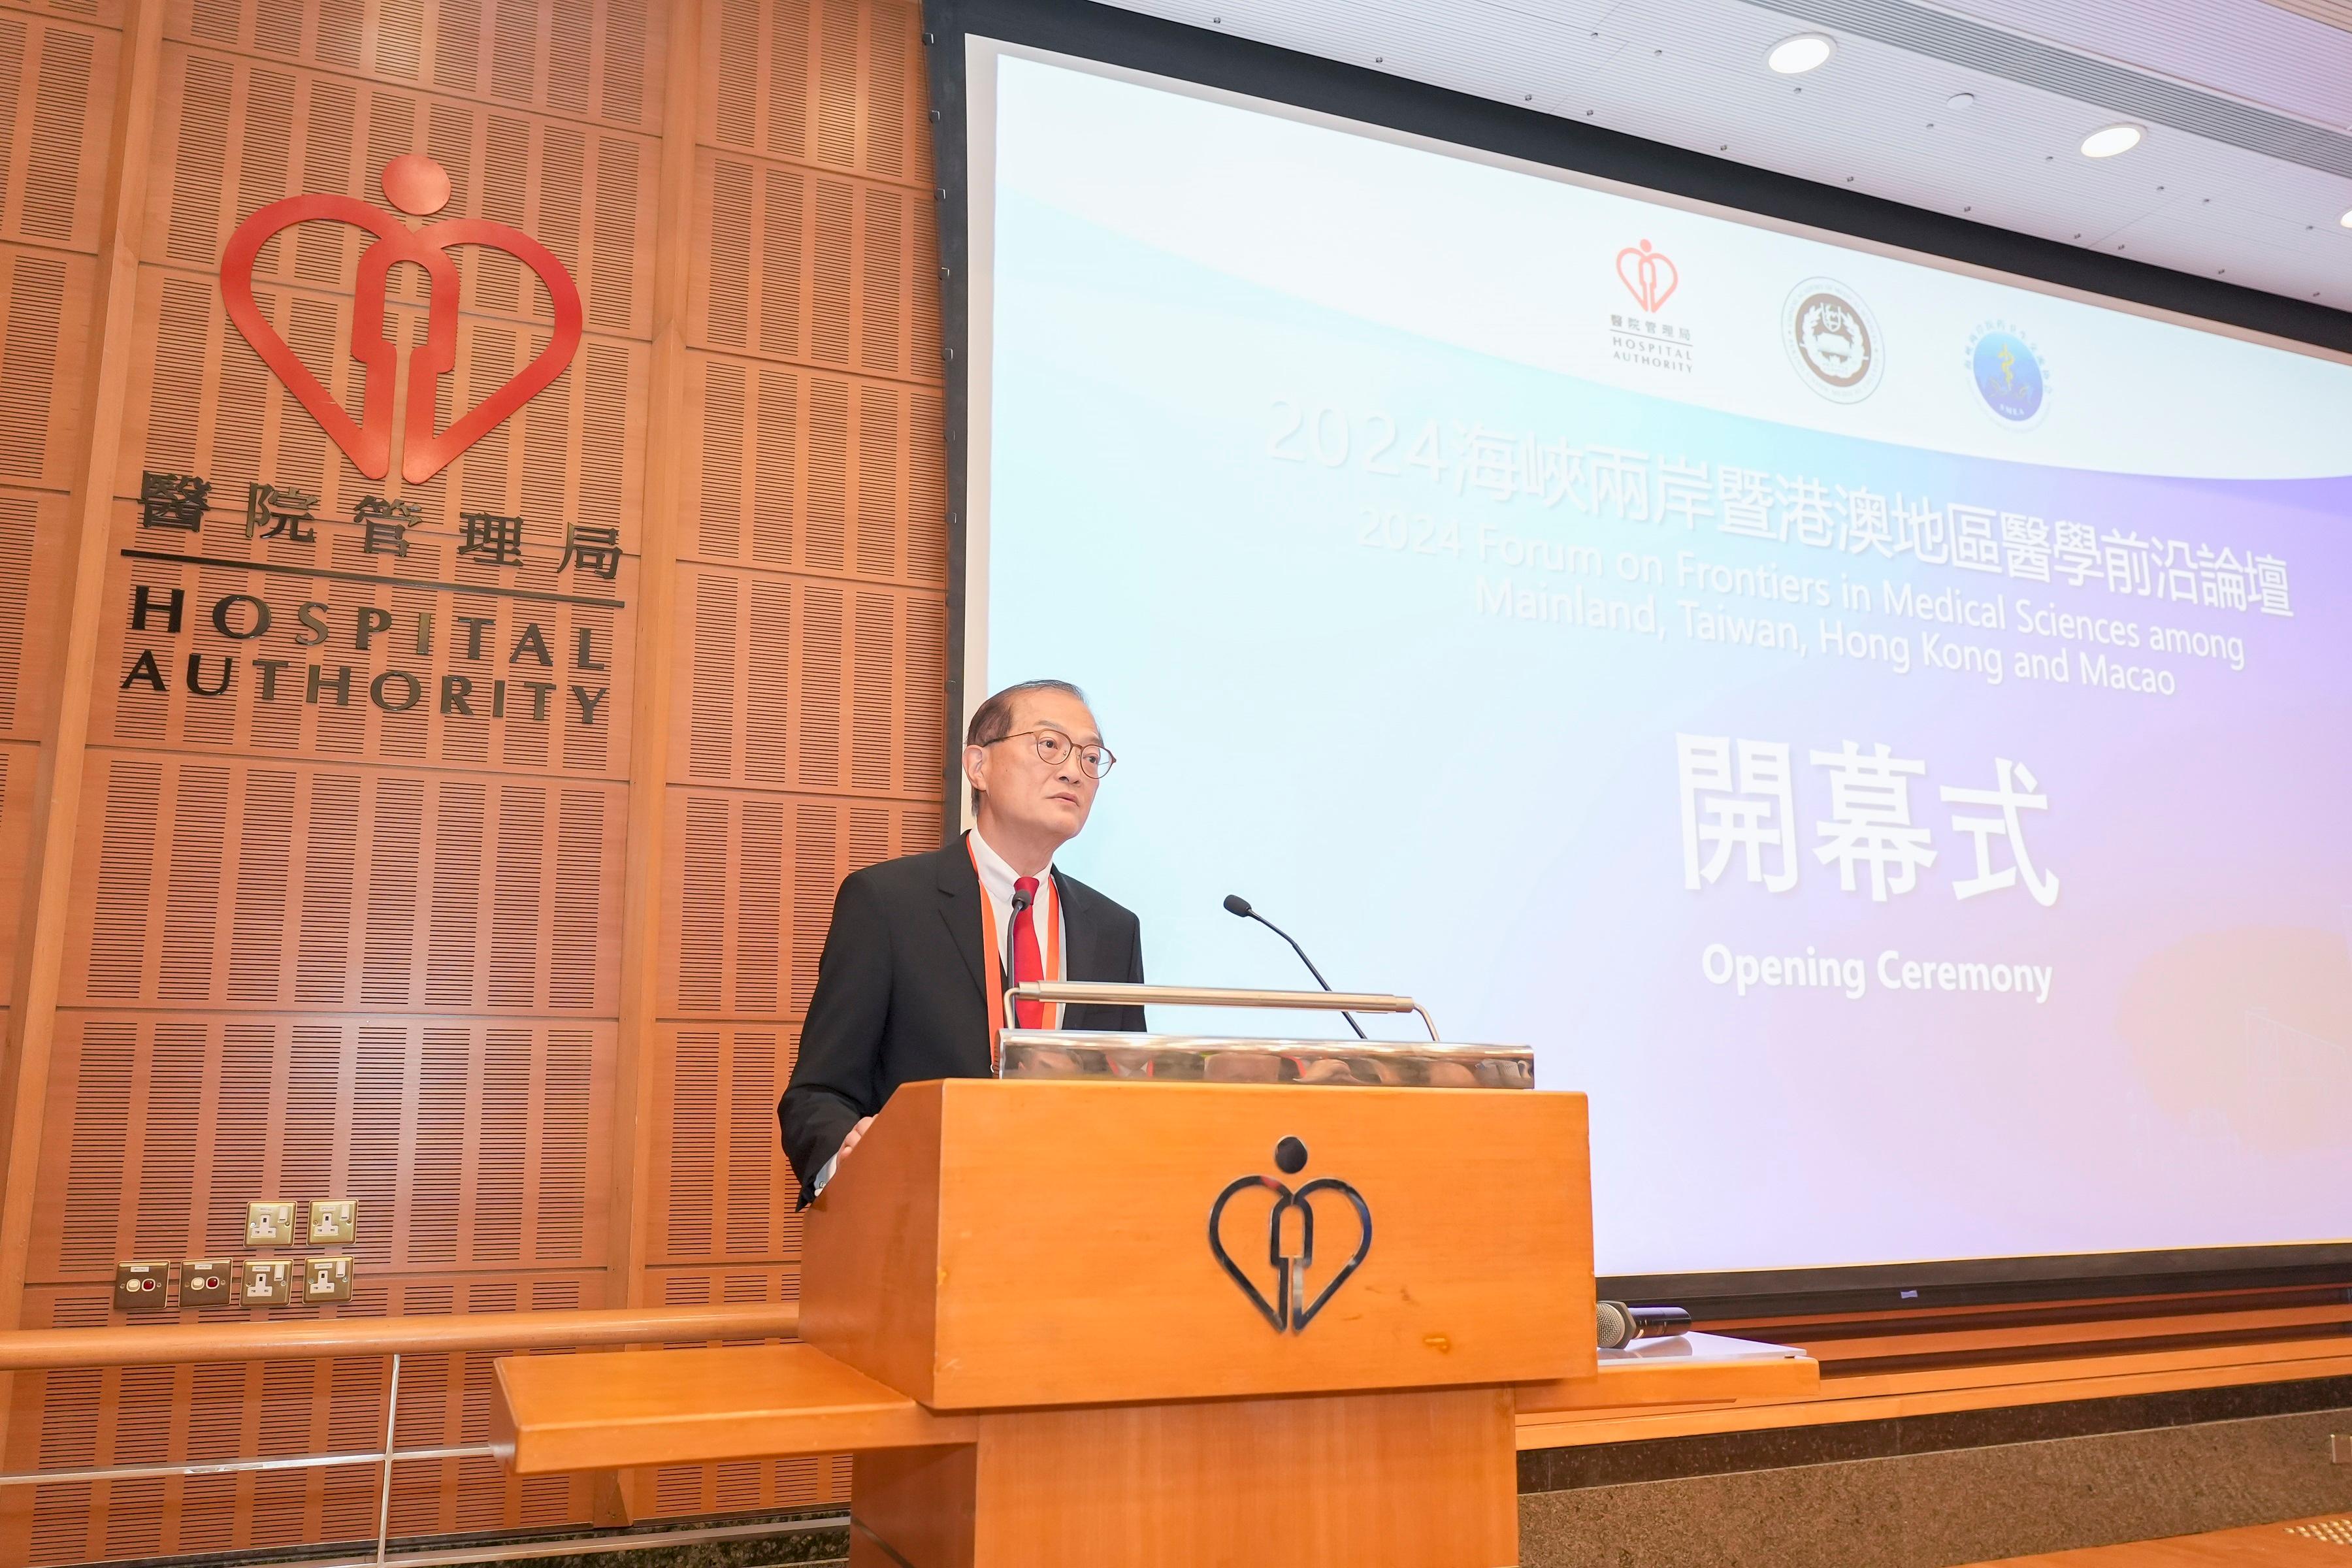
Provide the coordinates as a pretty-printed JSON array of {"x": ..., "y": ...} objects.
[{"x": 1053, "y": 747}]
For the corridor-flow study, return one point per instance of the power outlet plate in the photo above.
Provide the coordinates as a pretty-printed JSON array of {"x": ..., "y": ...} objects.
[
  {"x": 207, "y": 1282},
  {"x": 326, "y": 1279},
  {"x": 270, "y": 1225},
  {"x": 334, "y": 1222},
  {"x": 2339, "y": 1448},
  {"x": 266, "y": 1282},
  {"x": 141, "y": 1286}
]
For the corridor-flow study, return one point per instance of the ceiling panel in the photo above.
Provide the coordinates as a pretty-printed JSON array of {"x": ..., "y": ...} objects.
[
  {"x": 1877, "y": 117},
  {"x": 2260, "y": 53}
]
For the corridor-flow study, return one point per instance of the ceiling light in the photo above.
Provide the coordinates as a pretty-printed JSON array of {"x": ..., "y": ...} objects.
[
  {"x": 1806, "y": 51},
  {"x": 2110, "y": 139},
  {"x": 1961, "y": 101},
  {"x": 2345, "y": 220}
]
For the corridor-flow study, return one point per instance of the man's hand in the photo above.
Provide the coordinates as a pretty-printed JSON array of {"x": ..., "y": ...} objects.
[{"x": 851, "y": 1142}]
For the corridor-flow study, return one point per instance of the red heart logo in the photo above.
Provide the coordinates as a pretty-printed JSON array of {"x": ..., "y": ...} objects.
[
  {"x": 1650, "y": 276},
  {"x": 367, "y": 440}
]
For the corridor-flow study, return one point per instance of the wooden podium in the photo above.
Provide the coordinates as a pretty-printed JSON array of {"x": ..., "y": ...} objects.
[{"x": 1119, "y": 1323}]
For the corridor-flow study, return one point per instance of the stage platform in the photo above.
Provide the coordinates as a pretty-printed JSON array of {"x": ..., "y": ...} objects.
[{"x": 2298, "y": 1543}]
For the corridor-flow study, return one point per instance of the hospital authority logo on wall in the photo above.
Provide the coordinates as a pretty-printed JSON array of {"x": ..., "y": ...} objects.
[
  {"x": 1833, "y": 340},
  {"x": 506, "y": 635},
  {"x": 1649, "y": 339},
  {"x": 2011, "y": 375},
  {"x": 419, "y": 187}
]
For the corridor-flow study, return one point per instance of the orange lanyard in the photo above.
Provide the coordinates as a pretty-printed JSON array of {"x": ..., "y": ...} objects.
[{"x": 1046, "y": 908}]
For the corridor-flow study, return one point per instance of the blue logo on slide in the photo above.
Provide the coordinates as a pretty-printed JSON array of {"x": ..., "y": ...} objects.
[{"x": 2009, "y": 374}]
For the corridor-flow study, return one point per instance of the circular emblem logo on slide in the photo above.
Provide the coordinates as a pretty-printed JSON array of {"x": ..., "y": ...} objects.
[
  {"x": 1833, "y": 340},
  {"x": 2009, "y": 374}
]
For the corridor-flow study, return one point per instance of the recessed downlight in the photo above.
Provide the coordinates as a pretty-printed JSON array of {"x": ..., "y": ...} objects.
[
  {"x": 2109, "y": 140},
  {"x": 2345, "y": 220},
  {"x": 1961, "y": 101},
  {"x": 1806, "y": 51}
]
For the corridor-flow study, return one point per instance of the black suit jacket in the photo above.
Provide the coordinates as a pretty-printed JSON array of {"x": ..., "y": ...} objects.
[{"x": 898, "y": 996}]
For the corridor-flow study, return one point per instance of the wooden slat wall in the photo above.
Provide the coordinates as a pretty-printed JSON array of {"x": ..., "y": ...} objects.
[
  {"x": 809, "y": 686},
  {"x": 313, "y": 949}
]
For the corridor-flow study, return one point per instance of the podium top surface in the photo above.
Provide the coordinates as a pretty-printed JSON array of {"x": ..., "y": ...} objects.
[{"x": 1224, "y": 1058}]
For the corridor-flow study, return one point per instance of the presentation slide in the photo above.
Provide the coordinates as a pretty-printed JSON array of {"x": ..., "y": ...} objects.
[{"x": 1879, "y": 727}]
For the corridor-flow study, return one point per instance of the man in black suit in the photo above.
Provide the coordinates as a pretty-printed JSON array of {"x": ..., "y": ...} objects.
[{"x": 911, "y": 982}]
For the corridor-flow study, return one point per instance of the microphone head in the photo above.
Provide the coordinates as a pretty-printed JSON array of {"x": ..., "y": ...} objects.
[{"x": 1236, "y": 905}]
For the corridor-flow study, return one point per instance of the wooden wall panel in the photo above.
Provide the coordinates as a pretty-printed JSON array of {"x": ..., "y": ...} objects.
[
  {"x": 809, "y": 665},
  {"x": 44, "y": 322},
  {"x": 795, "y": 683},
  {"x": 208, "y": 406},
  {"x": 18, "y": 761},
  {"x": 243, "y": 133},
  {"x": 717, "y": 1108},
  {"x": 226, "y": 883},
  {"x": 830, "y": 476},
  {"x": 106, "y": 14},
  {"x": 748, "y": 893},
  {"x": 818, "y": 268},
  {"x": 373, "y": 951},
  {"x": 222, "y": 1410},
  {"x": 835, "y": 84},
  {"x": 596, "y": 60},
  {"x": 58, "y": 77},
  {"x": 468, "y": 1144},
  {"x": 32, "y": 541}
]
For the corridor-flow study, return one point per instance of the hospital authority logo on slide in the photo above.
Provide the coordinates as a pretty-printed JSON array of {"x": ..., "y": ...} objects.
[
  {"x": 1833, "y": 340},
  {"x": 1649, "y": 339},
  {"x": 2011, "y": 375}
]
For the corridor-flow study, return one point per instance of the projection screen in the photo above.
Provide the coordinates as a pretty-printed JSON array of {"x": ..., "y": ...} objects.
[{"x": 1878, "y": 726}]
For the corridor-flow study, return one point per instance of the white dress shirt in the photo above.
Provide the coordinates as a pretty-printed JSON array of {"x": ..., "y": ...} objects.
[{"x": 996, "y": 878}]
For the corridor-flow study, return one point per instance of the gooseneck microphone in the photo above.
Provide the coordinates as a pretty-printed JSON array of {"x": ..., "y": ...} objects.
[{"x": 1237, "y": 905}]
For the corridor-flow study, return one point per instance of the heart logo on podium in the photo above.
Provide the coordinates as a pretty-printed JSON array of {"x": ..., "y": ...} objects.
[{"x": 1291, "y": 1309}]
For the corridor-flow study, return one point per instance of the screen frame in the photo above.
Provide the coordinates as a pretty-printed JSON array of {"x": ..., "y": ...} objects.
[{"x": 1129, "y": 46}]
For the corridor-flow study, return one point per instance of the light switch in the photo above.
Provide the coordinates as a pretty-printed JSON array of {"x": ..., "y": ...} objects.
[
  {"x": 326, "y": 1279},
  {"x": 270, "y": 1225},
  {"x": 331, "y": 1221},
  {"x": 140, "y": 1287},
  {"x": 267, "y": 1282},
  {"x": 207, "y": 1282}
]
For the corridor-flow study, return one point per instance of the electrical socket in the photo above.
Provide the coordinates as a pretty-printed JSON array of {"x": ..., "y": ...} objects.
[
  {"x": 266, "y": 1282},
  {"x": 326, "y": 1279},
  {"x": 332, "y": 1222},
  {"x": 140, "y": 1287},
  {"x": 2339, "y": 1448},
  {"x": 270, "y": 1225},
  {"x": 208, "y": 1282}
]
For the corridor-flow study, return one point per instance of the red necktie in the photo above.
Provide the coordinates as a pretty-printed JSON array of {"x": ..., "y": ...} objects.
[{"x": 1026, "y": 965}]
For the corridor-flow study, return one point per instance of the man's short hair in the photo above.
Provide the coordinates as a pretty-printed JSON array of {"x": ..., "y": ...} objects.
[{"x": 992, "y": 720}]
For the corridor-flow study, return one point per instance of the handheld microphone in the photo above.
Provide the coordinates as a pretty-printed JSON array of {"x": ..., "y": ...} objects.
[
  {"x": 1619, "y": 1325},
  {"x": 1237, "y": 905}
]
